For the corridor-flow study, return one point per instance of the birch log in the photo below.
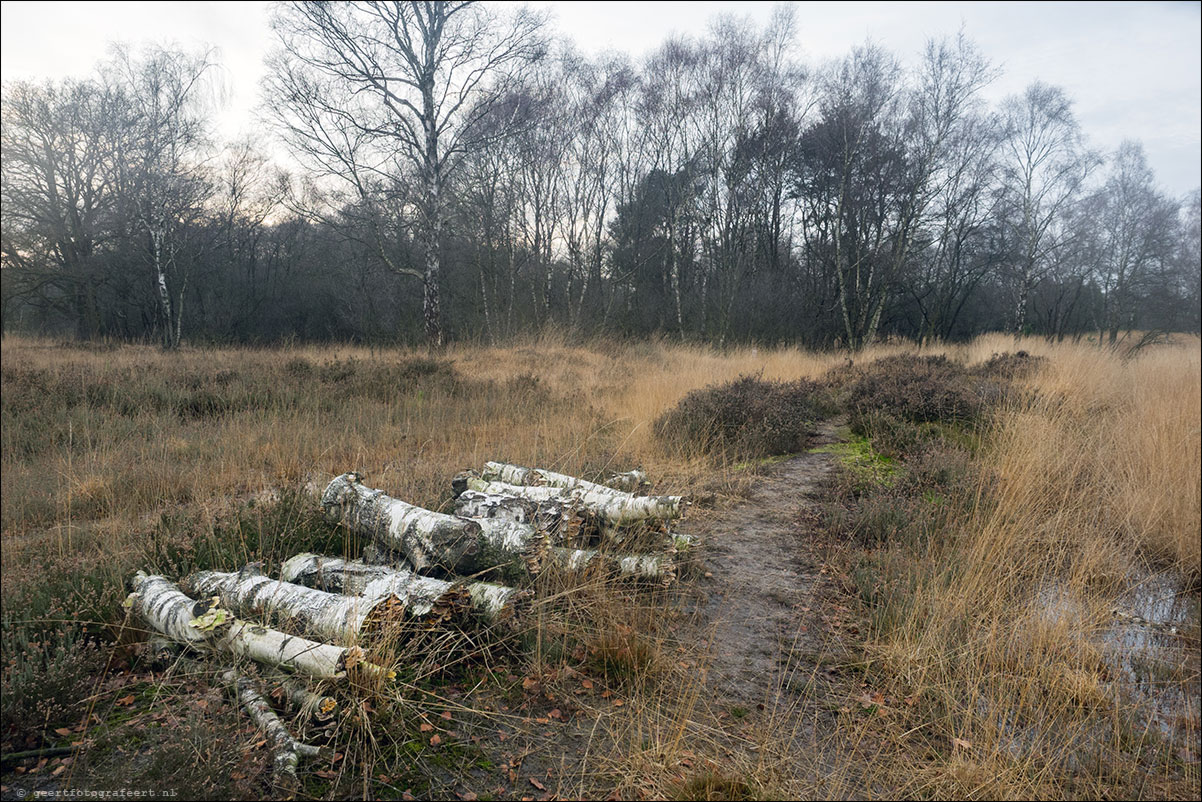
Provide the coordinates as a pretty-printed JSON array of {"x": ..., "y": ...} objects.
[
  {"x": 302, "y": 700},
  {"x": 486, "y": 596},
  {"x": 323, "y": 616},
  {"x": 560, "y": 519},
  {"x": 610, "y": 506},
  {"x": 630, "y": 481},
  {"x": 427, "y": 539},
  {"x": 655, "y": 567},
  {"x": 205, "y": 624},
  {"x": 488, "y": 600},
  {"x": 538, "y": 477},
  {"x": 287, "y": 750}
]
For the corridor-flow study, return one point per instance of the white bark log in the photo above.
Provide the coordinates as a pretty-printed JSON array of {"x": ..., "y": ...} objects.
[
  {"x": 609, "y": 506},
  {"x": 421, "y": 594},
  {"x": 302, "y": 700},
  {"x": 488, "y": 600},
  {"x": 205, "y": 624},
  {"x": 560, "y": 519},
  {"x": 323, "y": 616},
  {"x": 305, "y": 702},
  {"x": 287, "y": 750},
  {"x": 629, "y": 481},
  {"x": 655, "y": 567},
  {"x": 427, "y": 539},
  {"x": 538, "y": 477}
]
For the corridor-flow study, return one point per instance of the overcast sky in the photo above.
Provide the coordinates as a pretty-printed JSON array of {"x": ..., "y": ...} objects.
[{"x": 1134, "y": 69}]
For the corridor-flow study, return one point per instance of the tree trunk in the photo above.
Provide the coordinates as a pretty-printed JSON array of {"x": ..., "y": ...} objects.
[
  {"x": 429, "y": 540},
  {"x": 629, "y": 481},
  {"x": 561, "y": 522},
  {"x": 657, "y": 567},
  {"x": 324, "y": 616},
  {"x": 203, "y": 624},
  {"x": 537, "y": 477},
  {"x": 490, "y": 601},
  {"x": 609, "y": 505},
  {"x": 287, "y": 750}
]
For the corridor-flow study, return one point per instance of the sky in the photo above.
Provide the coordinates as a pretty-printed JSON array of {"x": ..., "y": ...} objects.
[{"x": 1133, "y": 69}]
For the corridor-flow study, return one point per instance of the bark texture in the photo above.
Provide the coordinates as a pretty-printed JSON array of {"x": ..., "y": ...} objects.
[
  {"x": 425, "y": 597},
  {"x": 655, "y": 567},
  {"x": 287, "y": 750},
  {"x": 429, "y": 540},
  {"x": 168, "y": 611},
  {"x": 611, "y": 506},
  {"x": 323, "y": 616},
  {"x": 381, "y": 568},
  {"x": 560, "y": 519}
]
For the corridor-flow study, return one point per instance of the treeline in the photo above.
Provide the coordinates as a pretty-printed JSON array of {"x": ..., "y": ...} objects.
[{"x": 460, "y": 173}]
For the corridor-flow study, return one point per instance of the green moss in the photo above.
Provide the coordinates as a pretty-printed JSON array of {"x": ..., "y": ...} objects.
[{"x": 868, "y": 468}]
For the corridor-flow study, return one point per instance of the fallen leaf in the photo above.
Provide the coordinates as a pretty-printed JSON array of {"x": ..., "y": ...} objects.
[
  {"x": 529, "y": 682},
  {"x": 541, "y": 720},
  {"x": 468, "y": 796},
  {"x": 605, "y": 694},
  {"x": 555, "y": 713},
  {"x": 586, "y": 684},
  {"x": 63, "y": 731},
  {"x": 446, "y": 714},
  {"x": 58, "y": 771},
  {"x": 960, "y": 743},
  {"x": 424, "y": 727},
  {"x": 126, "y": 701},
  {"x": 537, "y": 784},
  {"x": 435, "y": 739},
  {"x": 618, "y": 703}
]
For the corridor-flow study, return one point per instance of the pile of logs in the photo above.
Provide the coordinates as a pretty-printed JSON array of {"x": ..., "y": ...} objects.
[{"x": 422, "y": 568}]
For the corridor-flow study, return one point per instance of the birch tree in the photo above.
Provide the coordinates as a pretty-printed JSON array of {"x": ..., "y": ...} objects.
[
  {"x": 405, "y": 86},
  {"x": 1044, "y": 166},
  {"x": 160, "y": 165}
]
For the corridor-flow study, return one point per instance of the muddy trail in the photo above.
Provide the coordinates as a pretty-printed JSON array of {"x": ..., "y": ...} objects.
[
  {"x": 746, "y": 624},
  {"x": 760, "y": 576}
]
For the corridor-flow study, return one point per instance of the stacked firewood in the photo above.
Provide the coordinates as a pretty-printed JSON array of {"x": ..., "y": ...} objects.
[{"x": 422, "y": 567}]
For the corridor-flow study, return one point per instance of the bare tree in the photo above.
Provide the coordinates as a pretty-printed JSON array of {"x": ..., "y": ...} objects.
[
  {"x": 161, "y": 167},
  {"x": 1044, "y": 165},
  {"x": 57, "y": 196},
  {"x": 389, "y": 88},
  {"x": 1134, "y": 227}
]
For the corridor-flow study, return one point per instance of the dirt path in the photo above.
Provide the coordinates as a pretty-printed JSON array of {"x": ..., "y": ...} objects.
[{"x": 760, "y": 576}]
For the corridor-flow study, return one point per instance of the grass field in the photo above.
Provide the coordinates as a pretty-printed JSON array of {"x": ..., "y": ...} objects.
[{"x": 988, "y": 631}]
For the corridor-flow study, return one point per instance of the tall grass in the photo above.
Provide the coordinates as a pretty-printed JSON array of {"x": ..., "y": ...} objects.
[
  {"x": 996, "y": 625},
  {"x": 1005, "y": 632}
]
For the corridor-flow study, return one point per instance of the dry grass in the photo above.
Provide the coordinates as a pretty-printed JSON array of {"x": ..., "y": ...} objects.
[
  {"x": 1002, "y": 637},
  {"x": 1024, "y": 681}
]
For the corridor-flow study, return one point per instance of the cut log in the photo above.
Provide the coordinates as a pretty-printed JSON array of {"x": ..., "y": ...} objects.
[
  {"x": 560, "y": 519},
  {"x": 654, "y": 567},
  {"x": 323, "y": 616},
  {"x": 429, "y": 540},
  {"x": 629, "y": 481},
  {"x": 538, "y": 477},
  {"x": 610, "y": 506},
  {"x": 490, "y": 601},
  {"x": 287, "y": 750},
  {"x": 303, "y": 701},
  {"x": 202, "y": 624}
]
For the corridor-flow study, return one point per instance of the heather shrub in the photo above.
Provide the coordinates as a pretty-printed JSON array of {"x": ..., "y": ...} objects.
[
  {"x": 919, "y": 389},
  {"x": 747, "y": 418}
]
